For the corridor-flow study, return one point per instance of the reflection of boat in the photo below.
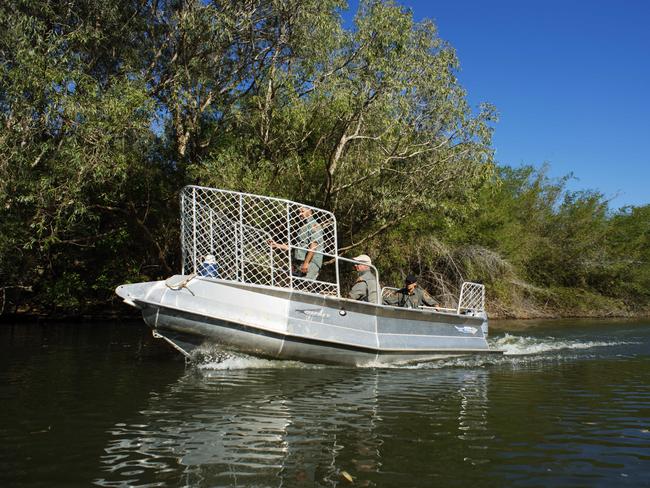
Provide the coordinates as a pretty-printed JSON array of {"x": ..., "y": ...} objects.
[
  {"x": 278, "y": 426},
  {"x": 255, "y": 304}
]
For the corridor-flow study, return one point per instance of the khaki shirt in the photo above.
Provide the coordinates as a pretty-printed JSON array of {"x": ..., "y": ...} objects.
[
  {"x": 402, "y": 298},
  {"x": 311, "y": 231},
  {"x": 365, "y": 288}
]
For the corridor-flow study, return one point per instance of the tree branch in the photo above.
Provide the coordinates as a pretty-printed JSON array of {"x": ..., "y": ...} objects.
[{"x": 368, "y": 237}]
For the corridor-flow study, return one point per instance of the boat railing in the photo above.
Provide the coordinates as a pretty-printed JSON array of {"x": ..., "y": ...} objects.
[
  {"x": 372, "y": 268},
  {"x": 287, "y": 277},
  {"x": 472, "y": 298},
  {"x": 254, "y": 239},
  {"x": 422, "y": 307},
  {"x": 388, "y": 289},
  {"x": 438, "y": 309}
]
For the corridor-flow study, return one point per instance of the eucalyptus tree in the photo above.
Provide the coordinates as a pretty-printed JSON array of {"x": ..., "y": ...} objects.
[
  {"x": 408, "y": 141},
  {"x": 75, "y": 183},
  {"x": 370, "y": 122}
]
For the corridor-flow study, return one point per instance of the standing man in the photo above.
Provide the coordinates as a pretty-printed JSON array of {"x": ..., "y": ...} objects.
[
  {"x": 411, "y": 296},
  {"x": 307, "y": 255},
  {"x": 365, "y": 288}
]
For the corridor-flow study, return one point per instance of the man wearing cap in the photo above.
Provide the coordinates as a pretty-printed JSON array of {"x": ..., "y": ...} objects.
[
  {"x": 411, "y": 296},
  {"x": 365, "y": 288}
]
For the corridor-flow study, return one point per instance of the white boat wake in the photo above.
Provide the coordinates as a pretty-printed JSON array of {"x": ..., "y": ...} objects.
[
  {"x": 516, "y": 349},
  {"x": 219, "y": 359},
  {"x": 513, "y": 345}
]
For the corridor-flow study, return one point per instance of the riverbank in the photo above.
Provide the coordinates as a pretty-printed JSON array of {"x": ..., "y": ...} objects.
[
  {"x": 533, "y": 313},
  {"x": 502, "y": 302},
  {"x": 56, "y": 317},
  {"x": 560, "y": 302},
  {"x": 569, "y": 314}
]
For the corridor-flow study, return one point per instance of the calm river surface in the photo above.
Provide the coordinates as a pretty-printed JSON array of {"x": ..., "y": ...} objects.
[{"x": 106, "y": 405}]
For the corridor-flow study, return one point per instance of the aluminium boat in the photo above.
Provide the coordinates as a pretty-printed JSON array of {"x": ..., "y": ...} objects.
[{"x": 238, "y": 292}]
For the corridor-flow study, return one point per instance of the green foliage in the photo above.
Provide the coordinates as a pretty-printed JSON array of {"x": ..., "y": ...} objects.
[
  {"x": 108, "y": 108},
  {"x": 568, "y": 250},
  {"x": 77, "y": 183}
]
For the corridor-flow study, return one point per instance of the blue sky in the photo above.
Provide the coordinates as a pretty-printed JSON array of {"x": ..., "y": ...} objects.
[{"x": 570, "y": 79}]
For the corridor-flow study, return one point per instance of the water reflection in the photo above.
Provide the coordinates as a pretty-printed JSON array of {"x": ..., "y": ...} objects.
[
  {"x": 288, "y": 427},
  {"x": 473, "y": 418}
]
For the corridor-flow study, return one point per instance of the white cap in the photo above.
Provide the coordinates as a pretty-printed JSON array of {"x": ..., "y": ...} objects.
[
  {"x": 363, "y": 258},
  {"x": 209, "y": 259}
]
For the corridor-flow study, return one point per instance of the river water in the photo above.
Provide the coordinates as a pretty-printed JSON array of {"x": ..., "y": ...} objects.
[{"x": 104, "y": 404}]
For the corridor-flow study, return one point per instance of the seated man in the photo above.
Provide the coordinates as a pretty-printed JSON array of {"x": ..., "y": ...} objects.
[
  {"x": 208, "y": 267},
  {"x": 365, "y": 288},
  {"x": 411, "y": 296}
]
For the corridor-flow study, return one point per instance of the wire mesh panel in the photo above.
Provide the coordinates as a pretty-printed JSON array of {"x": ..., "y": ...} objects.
[
  {"x": 472, "y": 297},
  {"x": 258, "y": 240}
]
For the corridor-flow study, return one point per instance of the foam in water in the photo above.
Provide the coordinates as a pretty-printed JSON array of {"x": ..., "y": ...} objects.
[
  {"x": 513, "y": 345},
  {"x": 249, "y": 362},
  {"x": 515, "y": 348},
  {"x": 219, "y": 359}
]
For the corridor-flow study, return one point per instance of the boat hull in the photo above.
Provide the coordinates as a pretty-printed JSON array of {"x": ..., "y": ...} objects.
[{"x": 288, "y": 324}]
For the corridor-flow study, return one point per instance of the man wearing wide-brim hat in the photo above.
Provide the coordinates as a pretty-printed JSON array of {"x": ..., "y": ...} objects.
[
  {"x": 365, "y": 288},
  {"x": 411, "y": 296}
]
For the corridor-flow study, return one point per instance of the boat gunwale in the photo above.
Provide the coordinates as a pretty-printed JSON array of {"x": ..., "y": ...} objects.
[{"x": 420, "y": 314}]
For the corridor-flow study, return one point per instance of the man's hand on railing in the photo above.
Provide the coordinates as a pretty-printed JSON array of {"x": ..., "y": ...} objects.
[{"x": 277, "y": 245}]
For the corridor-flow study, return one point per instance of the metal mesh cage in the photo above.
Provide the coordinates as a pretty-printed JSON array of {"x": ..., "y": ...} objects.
[
  {"x": 255, "y": 239},
  {"x": 472, "y": 297}
]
